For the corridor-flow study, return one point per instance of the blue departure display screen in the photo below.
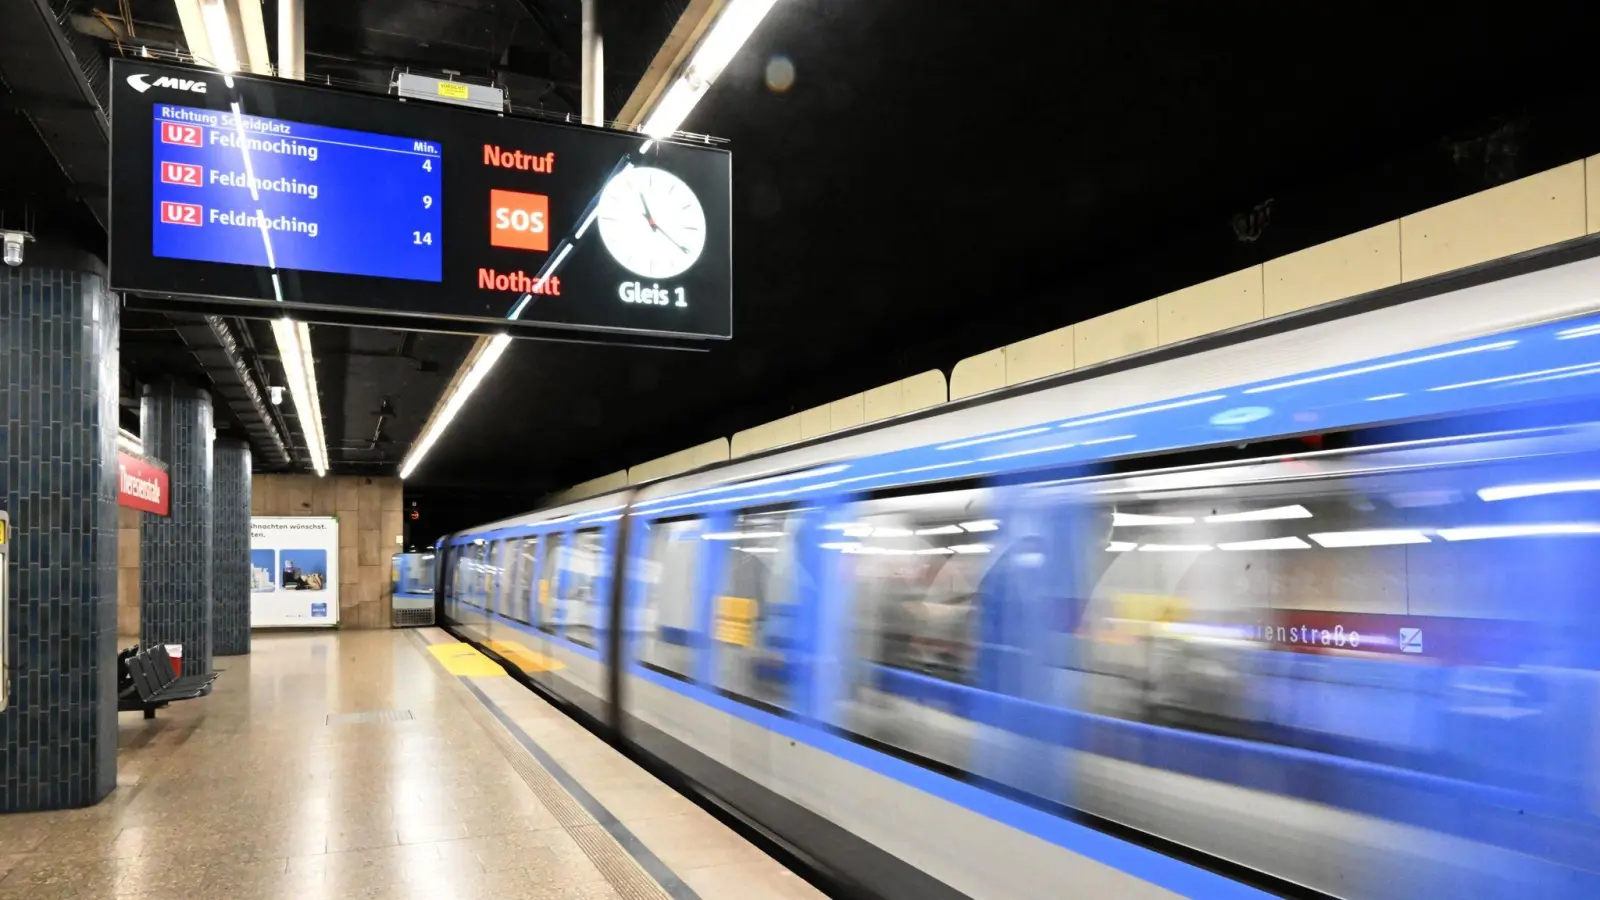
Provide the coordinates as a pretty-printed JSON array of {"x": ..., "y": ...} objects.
[
  {"x": 266, "y": 192},
  {"x": 230, "y": 191}
]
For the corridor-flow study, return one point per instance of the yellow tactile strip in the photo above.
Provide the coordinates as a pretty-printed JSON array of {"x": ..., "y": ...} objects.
[
  {"x": 464, "y": 660},
  {"x": 620, "y": 869}
]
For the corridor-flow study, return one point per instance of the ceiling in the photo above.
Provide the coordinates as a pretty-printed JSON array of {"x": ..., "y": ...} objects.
[{"x": 940, "y": 178}]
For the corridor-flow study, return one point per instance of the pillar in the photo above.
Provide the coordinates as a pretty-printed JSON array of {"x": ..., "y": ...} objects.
[
  {"x": 175, "y": 551},
  {"x": 230, "y": 565},
  {"x": 58, "y": 467}
]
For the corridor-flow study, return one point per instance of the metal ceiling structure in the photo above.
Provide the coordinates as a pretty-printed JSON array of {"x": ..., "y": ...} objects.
[
  {"x": 914, "y": 181},
  {"x": 377, "y": 386}
]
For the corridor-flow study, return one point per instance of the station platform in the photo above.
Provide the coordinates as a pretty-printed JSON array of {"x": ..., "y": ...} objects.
[{"x": 378, "y": 764}]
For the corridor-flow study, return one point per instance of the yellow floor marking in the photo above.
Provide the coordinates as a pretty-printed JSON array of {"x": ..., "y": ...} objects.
[
  {"x": 463, "y": 660},
  {"x": 525, "y": 659}
]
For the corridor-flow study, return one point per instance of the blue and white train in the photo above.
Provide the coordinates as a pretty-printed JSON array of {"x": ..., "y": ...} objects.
[{"x": 1310, "y": 608}]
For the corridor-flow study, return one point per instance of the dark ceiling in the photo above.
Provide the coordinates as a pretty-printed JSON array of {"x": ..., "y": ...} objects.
[{"x": 941, "y": 178}]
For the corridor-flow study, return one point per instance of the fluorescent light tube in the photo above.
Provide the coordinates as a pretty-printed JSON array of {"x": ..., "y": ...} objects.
[
  {"x": 1122, "y": 519},
  {"x": 1278, "y": 543},
  {"x": 1262, "y": 515},
  {"x": 1381, "y": 538}
]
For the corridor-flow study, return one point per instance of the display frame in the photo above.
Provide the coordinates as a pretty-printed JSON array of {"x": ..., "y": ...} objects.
[{"x": 580, "y": 163}]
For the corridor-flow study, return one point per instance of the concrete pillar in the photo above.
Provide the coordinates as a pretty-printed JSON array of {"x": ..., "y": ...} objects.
[
  {"x": 175, "y": 551},
  {"x": 230, "y": 565},
  {"x": 58, "y": 481}
]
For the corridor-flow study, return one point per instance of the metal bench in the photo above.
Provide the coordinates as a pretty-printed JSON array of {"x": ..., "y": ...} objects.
[{"x": 155, "y": 684}]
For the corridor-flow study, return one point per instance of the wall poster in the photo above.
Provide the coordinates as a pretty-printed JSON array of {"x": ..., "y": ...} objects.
[{"x": 294, "y": 571}]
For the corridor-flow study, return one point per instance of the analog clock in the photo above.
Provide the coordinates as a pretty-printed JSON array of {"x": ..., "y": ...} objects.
[{"x": 651, "y": 222}]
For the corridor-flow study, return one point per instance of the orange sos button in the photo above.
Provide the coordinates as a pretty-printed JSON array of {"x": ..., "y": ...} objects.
[{"x": 519, "y": 221}]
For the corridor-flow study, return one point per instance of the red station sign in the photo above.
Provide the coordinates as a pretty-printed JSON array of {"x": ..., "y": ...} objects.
[{"x": 141, "y": 483}]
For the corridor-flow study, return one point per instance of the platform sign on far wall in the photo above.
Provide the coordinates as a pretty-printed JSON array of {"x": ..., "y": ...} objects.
[{"x": 294, "y": 571}]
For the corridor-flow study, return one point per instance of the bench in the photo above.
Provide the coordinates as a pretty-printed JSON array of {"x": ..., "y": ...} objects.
[{"x": 154, "y": 684}]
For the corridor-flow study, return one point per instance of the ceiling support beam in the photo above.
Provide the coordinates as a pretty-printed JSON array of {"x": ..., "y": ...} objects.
[
  {"x": 594, "y": 67},
  {"x": 292, "y": 39},
  {"x": 669, "y": 61}
]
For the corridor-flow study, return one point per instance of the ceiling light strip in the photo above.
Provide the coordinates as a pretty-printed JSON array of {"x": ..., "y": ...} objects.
[
  {"x": 717, "y": 46},
  {"x": 294, "y": 349},
  {"x": 454, "y": 399}
]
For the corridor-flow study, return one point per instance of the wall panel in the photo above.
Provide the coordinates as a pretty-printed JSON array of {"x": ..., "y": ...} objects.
[
  {"x": 978, "y": 374},
  {"x": 1344, "y": 267},
  {"x": 1531, "y": 212},
  {"x": 1120, "y": 333}
]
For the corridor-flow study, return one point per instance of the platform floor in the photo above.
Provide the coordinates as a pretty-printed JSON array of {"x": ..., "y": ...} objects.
[{"x": 355, "y": 765}]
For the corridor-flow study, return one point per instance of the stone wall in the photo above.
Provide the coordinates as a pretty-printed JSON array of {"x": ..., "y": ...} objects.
[{"x": 370, "y": 525}]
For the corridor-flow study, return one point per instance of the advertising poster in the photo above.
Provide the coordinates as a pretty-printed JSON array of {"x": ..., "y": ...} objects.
[{"x": 294, "y": 571}]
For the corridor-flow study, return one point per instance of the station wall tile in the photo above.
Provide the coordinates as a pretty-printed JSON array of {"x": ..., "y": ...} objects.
[
  {"x": 1120, "y": 333},
  {"x": 924, "y": 390},
  {"x": 883, "y": 402},
  {"x": 766, "y": 436},
  {"x": 1591, "y": 179},
  {"x": 1344, "y": 267},
  {"x": 978, "y": 374},
  {"x": 1211, "y": 306},
  {"x": 369, "y": 519},
  {"x": 815, "y": 422},
  {"x": 1528, "y": 213},
  {"x": 1047, "y": 354},
  {"x": 847, "y": 413}
]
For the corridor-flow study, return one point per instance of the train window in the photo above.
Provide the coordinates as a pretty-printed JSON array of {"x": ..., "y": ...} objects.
[
  {"x": 523, "y": 559},
  {"x": 580, "y": 600},
  {"x": 666, "y": 616},
  {"x": 918, "y": 565},
  {"x": 489, "y": 578},
  {"x": 1199, "y": 599},
  {"x": 452, "y": 556},
  {"x": 548, "y": 583},
  {"x": 469, "y": 580},
  {"x": 755, "y": 621}
]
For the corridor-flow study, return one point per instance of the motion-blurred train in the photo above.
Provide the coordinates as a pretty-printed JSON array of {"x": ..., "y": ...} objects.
[{"x": 1308, "y": 608}]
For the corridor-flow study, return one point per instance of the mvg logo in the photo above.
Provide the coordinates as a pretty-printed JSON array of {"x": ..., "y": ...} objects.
[{"x": 141, "y": 84}]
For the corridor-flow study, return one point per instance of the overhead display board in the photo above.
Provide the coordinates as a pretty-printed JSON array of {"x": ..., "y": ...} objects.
[{"x": 264, "y": 191}]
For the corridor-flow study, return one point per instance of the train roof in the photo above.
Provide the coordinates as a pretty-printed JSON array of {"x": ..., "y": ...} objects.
[{"x": 1496, "y": 335}]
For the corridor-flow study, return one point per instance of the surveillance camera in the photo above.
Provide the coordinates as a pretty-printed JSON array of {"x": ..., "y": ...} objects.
[
  {"x": 13, "y": 243},
  {"x": 277, "y": 395}
]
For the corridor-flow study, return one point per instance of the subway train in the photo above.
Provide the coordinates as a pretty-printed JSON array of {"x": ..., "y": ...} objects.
[{"x": 1306, "y": 608}]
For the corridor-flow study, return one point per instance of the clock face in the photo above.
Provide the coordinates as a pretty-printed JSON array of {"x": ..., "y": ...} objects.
[{"x": 652, "y": 222}]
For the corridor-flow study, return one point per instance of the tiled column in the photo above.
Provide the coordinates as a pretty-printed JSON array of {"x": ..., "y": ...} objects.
[
  {"x": 230, "y": 498},
  {"x": 58, "y": 466},
  {"x": 175, "y": 552}
]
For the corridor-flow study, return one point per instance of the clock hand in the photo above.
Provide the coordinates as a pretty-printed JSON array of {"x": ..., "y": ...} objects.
[
  {"x": 670, "y": 239},
  {"x": 647, "y": 215}
]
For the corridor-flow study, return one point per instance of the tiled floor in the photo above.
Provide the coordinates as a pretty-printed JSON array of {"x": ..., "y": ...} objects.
[{"x": 254, "y": 793}]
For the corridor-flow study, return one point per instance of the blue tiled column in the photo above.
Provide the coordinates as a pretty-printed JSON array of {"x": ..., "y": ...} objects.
[
  {"x": 175, "y": 552},
  {"x": 230, "y": 498},
  {"x": 58, "y": 445}
]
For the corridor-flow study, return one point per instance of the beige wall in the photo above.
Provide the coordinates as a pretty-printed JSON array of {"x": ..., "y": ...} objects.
[
  {"x": 128, "y": 574},
  {"x": 1537, "y": 211},
  {"x": 370, "y": 520}
]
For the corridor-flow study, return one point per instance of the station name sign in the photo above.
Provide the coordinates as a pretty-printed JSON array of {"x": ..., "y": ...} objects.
[
  {"x": 142, "y": 484},
  {"x": 270, "y": 192}
]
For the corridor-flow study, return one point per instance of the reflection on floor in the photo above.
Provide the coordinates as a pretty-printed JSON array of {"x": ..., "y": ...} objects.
[{"x": 354, "y": 765}]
